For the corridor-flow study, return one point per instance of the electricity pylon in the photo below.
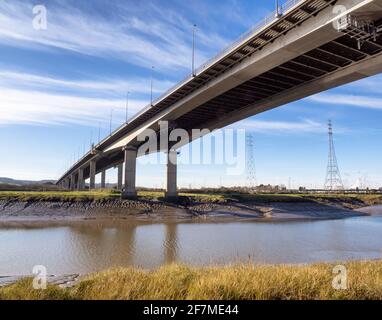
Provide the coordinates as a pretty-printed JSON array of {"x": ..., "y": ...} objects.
[
  {"x": 333, "y": 179},
  {"x": 250, "y": 162}
]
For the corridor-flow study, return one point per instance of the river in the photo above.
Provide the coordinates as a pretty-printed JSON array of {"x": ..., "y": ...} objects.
[{"x": 83, "y": 247}]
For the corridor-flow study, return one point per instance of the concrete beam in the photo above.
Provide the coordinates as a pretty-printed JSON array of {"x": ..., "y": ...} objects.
[
  {"x": 171, "y": 189},
  {"x": 120, "y": 176},
  {"x": 92, "y": 174},
  {"x": 103, "y": 179},
  {"x": 130, "y": 173}
]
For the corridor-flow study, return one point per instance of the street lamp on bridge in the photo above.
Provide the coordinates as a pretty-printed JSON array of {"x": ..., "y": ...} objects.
[
  {"x": 127, "y": 105},
  {"x": 193, "y": 50},
  {"x": 151, "y": 89},
  {"x": 278, "y": 11}
]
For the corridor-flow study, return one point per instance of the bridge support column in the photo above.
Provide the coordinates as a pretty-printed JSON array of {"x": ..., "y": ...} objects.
[
  {"x": 80, "y": 183},
  {"x": 171, "y": 191},
  {"x": 130, "y": 172},
  {"x": 72, "y": 182},
  {"x": 120, "y": 176},
  {"x": 103, "y": 179},
  {"x": 92, "y": 174}
]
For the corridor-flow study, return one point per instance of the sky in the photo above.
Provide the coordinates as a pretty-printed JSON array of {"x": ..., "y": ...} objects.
[{"x": 61, "y": 86}]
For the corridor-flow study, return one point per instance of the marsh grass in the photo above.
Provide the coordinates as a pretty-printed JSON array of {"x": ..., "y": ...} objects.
[
  {"x": 243, "y": 281},
  {"x": 208, "y": 197}
]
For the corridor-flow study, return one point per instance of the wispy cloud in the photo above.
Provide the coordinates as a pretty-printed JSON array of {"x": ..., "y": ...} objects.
[
  {"x": 113, "y": 86},
  {"x": 115, "y": 36},
  {"x": 27, "y": 98},
  {"x": 34, "y": 107},
  {"x": 348, "y": 99},
  {"x": 367, "y": 86},
  {"x": 263, "y": 126}
]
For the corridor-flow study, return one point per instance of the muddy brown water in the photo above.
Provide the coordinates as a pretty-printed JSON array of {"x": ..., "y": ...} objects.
[{"x": 87, "y": 246}]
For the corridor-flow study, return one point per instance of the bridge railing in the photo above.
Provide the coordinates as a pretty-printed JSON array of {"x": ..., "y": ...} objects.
[{"x": 257, "y": 27}]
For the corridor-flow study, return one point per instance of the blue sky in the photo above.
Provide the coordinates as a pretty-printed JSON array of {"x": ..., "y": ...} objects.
[{"x": 58, "y": 87}]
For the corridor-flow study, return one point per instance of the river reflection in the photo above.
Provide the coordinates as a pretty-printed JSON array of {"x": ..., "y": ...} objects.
[{"x": 82, "y": 247}]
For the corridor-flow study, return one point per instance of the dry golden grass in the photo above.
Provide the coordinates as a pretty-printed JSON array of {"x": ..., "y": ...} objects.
[{"x": 244, "y": 281}]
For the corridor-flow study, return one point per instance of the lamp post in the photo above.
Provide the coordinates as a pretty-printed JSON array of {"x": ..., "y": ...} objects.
[
  {"x": 193, "y": 50},
  {"x": 151, "y": 89},
  {"x": 111, "y": 119},
  {"x": 278, "y": 13},
  {"x": 127, "y": 105}
]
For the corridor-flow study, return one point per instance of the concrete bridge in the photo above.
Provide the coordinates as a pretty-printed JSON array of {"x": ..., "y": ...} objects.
[{"x": 307, "y": 47}]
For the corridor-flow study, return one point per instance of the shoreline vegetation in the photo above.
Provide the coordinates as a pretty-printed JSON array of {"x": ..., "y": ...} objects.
[
  {"x": 208, "y": 195},
  {"x": 231, "y": 282},
  {"x": 206, "y": 205}
]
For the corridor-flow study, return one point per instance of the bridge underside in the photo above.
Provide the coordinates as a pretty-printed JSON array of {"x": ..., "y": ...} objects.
[
  {"x": 298, "y": 72},
  {"x": 317, "y": 63}
]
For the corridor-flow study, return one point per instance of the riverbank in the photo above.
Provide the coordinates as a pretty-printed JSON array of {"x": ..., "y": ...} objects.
[
  {"x": 236, "y": 282},
  {"x": 150, "y": 206}
]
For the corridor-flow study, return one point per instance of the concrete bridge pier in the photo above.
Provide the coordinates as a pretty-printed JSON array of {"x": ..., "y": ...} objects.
[
  {"x": 171, "y": 190},
  {"x": 120, "y": 176},
  {"x": 67, "y": 184},
  {"x": 72, "y": 182},
  {"x": 103, "y": 179},
  {"x": 92, "y": 174},
  {"x": 80, "y": 183},
  {"x": 129, "y": 191}
]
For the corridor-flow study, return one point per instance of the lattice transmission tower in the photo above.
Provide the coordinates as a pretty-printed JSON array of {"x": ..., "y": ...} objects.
[
  {"x": 333, "y": 179},
  {"x": 250, "y": 162}
]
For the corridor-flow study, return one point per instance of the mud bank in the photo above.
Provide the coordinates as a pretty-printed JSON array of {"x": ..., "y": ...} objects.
[{"x": 17, "y": 210}]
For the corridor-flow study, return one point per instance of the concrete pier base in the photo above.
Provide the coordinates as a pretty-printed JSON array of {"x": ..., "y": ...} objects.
[
  {"x": 72, "y": 182},
  {"x": 92, "y": 174},
  {"x": 103, "y": 179},
  {"x": 81, "y": 182},
  {"x": 129, "y": 191},
  {"x": 171, "y": 190},
  {"x": 120, "y": 176}
]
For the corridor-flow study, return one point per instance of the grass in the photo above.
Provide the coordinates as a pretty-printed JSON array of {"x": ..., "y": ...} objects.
[
  {"x": 236, "y": 282},
  {"x": 200, "y": 196}
]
